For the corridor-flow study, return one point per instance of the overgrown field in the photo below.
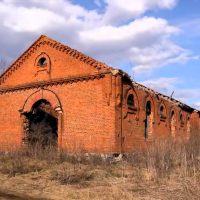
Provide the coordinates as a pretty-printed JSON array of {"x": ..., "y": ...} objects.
[{"x": 166, "y": 169}]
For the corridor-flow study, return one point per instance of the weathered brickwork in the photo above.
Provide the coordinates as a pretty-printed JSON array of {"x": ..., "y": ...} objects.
[{"x": 98, "y": 108}]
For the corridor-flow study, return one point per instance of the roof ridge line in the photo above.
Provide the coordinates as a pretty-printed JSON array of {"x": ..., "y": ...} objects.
[
  {"x": 163, "y": 95},
  {"x": 75, "y": 51},
  {"x": 21, "y": 56},
  {"x": 53, "y": 43}
]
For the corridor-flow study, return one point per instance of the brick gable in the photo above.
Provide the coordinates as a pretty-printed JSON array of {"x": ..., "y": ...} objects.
[{"x": 62, "y": 62}]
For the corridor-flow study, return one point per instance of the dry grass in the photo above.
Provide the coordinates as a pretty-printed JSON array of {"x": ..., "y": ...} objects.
[{"x": 166, "y": 169}]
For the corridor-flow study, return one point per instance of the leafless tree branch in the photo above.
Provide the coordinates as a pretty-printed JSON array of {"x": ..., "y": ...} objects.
[{"x": 3, "y": 65}]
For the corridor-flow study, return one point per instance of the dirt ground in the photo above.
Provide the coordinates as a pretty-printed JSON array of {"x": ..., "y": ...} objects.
[{"x": 116, "y": 182}]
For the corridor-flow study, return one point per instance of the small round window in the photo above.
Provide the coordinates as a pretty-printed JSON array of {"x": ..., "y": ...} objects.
[
  {"x": 42, "y": 61},
  {"x": 130, "y": 100}
]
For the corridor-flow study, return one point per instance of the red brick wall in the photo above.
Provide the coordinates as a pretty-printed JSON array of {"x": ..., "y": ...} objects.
[
  {"x": 133, "y": 129},
  {"x": 61, "y": 65},
  {"x": 95, "y": 115},
  {"x": 88, "y": 115}
]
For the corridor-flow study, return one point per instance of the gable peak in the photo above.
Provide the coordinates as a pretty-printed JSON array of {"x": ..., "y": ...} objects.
[{"x": 44, "y": 40}]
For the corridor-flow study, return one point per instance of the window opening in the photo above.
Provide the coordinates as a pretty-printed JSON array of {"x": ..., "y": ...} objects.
[
  {"x": 162, "y": 110},
  {"x": 148, "y": 107},
  {"x": 172, "y": 115},
  {"x": 148, "y": 119},
  {"x": 42, "y": 61},
  {"x": 130, "y": 100}
]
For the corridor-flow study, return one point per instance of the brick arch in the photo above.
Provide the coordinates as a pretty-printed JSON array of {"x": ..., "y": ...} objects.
[
  {"x": 146, "y": 99},
  {"x": 188, "y": 126},
  {"x": 42, "y": 94},
  {"x": 134, "y": 93},
  {"x": 170, "y": 112},
  {"x": 173, "y": 121},
  {"x": 46, "y": 67},
  {"x": 149, "y": 119},
  {"x": 188, "y": 115},
  {"x": 42, "y": 54},
  {"x": 179, "y": 115},
  {"x": 53, "y": 99},
  {"x": 129, "y": 91},
  {"x": 162, "y": 103}
]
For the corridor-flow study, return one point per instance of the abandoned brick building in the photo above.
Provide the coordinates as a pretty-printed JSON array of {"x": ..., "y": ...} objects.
[{"x": 87, "y": 105}]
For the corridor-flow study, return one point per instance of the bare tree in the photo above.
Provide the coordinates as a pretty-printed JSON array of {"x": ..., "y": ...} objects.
[{"x": 3, "y": 65}]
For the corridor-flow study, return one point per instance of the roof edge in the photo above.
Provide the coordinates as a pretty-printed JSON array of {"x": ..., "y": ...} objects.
[
  {"x": 21, "y": 55},
  {"x": 166, "y": 97}
]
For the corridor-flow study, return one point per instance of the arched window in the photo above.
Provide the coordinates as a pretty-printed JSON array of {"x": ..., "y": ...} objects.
[
  {"x": 181, "y": 117},
  {"x": 148, "y": 121},
  {"x": 172, "y": 114},
  {"x": 130, "y": 100},
  {"x": 188, "y": 128},
  {"x": 42, "y": 62},
  {"x": 162, "y": 110},
  {"x": 148, "y": 107}
]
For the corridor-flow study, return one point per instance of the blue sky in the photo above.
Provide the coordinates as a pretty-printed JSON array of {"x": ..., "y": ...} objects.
[{"x": 156, "y": 41}]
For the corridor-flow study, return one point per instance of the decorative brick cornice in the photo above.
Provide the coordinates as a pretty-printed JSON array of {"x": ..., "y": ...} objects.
[
  {"x": 43, "y": 84},
  {"x": 163, "y": 97},
  {"x": 16, "y": 64},
  {"x": 44, "y": 40}
]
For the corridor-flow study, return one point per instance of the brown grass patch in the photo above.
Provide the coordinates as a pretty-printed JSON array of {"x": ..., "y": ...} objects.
[{"x": 166, "y": 169}]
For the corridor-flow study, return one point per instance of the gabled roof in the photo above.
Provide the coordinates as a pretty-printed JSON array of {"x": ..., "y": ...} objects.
[
  {"x": 54, "y": 44},
  {"x": 84, "y": 58}
]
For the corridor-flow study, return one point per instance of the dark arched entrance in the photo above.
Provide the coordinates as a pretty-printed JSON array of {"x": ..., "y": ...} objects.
[{"x": 42, "y": 124}]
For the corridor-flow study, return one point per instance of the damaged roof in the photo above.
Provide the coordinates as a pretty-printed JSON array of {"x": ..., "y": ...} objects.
[{"x": 163, "y": 96}]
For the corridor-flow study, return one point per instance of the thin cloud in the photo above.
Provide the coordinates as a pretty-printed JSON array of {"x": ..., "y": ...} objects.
[
  {"x": 170, "y": 85},
  {"x": 145, "y": 41}
]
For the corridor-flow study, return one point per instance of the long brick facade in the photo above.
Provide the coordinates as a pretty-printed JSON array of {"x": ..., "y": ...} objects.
[{"x": 97, "y": 108}]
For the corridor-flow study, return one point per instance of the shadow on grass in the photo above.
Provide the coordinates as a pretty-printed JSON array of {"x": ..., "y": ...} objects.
[{"x": 8, "y": 196}]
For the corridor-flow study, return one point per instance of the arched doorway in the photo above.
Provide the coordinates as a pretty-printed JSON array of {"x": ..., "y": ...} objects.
[
  {"x": 42, "y": 108},
  {"x": 148, "y": 121},
  {"x": 41, "y": 125}
]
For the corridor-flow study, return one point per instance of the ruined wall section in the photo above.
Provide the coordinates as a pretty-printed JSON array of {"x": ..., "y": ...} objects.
[
  {"x": 167, "y": 118},
  {"x": 132, "y": 124},
  {"x": 195, "y": 123},
  {"x": 117, "y": 101}
]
